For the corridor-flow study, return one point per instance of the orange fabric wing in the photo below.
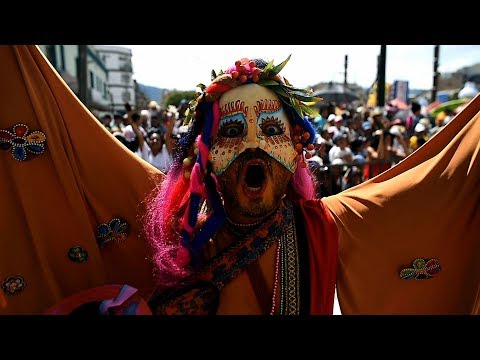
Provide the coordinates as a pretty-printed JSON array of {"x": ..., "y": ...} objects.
[
  {"x": 53, "y": 202},
  {"x": 425, "y": 208}
]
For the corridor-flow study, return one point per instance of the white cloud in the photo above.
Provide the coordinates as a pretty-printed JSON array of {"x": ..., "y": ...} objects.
[{"x": 184, "y": 66}]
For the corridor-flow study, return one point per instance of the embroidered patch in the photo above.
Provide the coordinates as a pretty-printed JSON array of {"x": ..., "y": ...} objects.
[
  {"x": 13, "y": 285},
  {"x": 78, "y": 254},
  {"x": 421, "y": 269},
  {"x": 115, "y": 230},
  {"x": 20, "y": 143}
]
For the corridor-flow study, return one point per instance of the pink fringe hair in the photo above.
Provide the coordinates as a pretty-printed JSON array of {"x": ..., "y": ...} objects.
[{"x": 164, "y": 217}]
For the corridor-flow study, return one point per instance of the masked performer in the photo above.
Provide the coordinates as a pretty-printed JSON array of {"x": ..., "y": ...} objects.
[{"x": 234, "y": 227}]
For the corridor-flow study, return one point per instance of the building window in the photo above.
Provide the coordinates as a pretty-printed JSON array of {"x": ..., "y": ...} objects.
[
  {"x": 126, "y": 96},
  {"x": 125, "y": 78},
  {"x": 99, "y": 84},
  {"x": 92, "y": 80}
]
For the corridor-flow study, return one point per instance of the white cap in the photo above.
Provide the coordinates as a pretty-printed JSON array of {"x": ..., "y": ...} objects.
[
  {"x": 395, "y": 130},
  {"x": 425, "y": 122},
  {"x": 420, "y": 127}
]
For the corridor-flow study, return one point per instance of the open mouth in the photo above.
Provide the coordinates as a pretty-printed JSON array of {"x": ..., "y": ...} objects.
[{"x": 254, "y": 178}]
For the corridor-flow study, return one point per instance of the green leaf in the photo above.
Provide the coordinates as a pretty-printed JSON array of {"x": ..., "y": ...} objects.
[
  {"x": 201, "y": 86},
  {"x": 296, "y": 107},
  {"x": 301, "y": 96},
  {"x": 293, "y": 88},
  {"x": 213, "y": 75},
  {"x": 267, "y": 82},
  {"x": 309, "y": 110},
  {"x": 280, "y": 66},
  {"x": 280, "y": 91},
  {"x": 268, "y": 68}
]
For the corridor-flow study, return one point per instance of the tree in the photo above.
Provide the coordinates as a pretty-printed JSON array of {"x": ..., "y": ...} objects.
[{"x": 175, "y": 96}]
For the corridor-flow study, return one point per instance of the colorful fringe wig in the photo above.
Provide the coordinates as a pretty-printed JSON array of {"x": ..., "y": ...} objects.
[{"x": 187, "y": 209}]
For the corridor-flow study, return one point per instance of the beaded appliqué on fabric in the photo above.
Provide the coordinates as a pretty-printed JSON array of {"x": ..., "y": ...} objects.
[
  {"x": 115, "y": 230},
  {"x": 13, "y": 285},
  {"x": 421, "y": 269},
  {"x": 19, "y": 141},
  {"x": 78, "y": 254}
]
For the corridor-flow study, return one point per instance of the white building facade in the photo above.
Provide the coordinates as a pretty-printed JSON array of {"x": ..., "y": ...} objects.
[
  {"x": 64, "y": 59},
  {"x": 118, "y": 61}
]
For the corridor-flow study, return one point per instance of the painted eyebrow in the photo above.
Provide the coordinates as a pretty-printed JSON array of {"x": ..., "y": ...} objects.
[
  {"x": 233, "y": 107},
  {"x": 267, "y": 106}
]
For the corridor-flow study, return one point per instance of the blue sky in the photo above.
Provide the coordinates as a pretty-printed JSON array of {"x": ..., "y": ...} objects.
[{"x": 182, "y": 67}]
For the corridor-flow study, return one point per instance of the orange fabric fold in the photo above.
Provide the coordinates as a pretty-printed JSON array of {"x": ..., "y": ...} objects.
[
  {"x": 54, "y": 201},
  {"x": 425, "y": 207}
]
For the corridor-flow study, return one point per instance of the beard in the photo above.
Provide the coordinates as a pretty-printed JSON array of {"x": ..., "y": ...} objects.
[{"x": 253, "y": 186}]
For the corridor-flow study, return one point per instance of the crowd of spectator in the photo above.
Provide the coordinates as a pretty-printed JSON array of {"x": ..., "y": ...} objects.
[{"x": 354, "y": 144}]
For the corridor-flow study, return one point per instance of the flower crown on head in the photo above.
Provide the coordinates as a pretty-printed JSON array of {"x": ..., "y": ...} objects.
[
  {"x": 201, "y": 183},
  {"x": 246, "y": 71}
]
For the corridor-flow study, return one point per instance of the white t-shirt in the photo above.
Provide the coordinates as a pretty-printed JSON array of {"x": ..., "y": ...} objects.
[
  {"x": 130, "y": 134},
  {"x": 337, "y": 153},
  {"x": 162, "y": 161}
]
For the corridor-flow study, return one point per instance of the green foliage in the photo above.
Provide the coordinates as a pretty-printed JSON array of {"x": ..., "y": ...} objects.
[{"x": 176, "y": 96}]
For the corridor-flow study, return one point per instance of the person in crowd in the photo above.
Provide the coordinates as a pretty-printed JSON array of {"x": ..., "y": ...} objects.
[
  {"x": 118, "y": 121},
  {"x": 340, "y": 153},
  {"x": 106, "y": 120}
]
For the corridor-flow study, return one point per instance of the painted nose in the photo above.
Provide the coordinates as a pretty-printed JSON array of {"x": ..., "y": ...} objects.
[{"x": 252, "y": 140}]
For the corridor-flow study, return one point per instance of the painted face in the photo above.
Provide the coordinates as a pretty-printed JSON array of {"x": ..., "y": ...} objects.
[{"x": 252, "y": 116}]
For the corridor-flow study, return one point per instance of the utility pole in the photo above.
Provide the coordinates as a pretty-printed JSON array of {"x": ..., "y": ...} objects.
[
  {"x": 345, "y": 73},
  {"x": 382, "y": 60},
  {"x": 436, "y": 74},
  {"x": 82, "y": 74}
]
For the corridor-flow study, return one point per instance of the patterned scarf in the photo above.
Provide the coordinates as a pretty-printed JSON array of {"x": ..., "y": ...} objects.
[{"x": 199, "y": 294}]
